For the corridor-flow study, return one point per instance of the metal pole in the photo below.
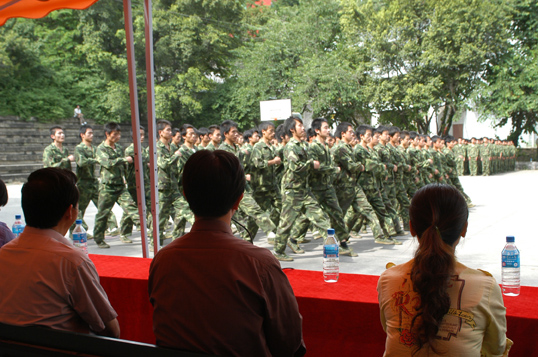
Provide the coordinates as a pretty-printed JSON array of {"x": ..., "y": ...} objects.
[
  {"x": 135, "y": 123},
  {"x": 150, "y": 83}
]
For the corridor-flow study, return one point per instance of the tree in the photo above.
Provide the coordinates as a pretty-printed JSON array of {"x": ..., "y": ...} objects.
[
  {"x": 510, "y": 91},
  {"x": 423, "y": 57}
]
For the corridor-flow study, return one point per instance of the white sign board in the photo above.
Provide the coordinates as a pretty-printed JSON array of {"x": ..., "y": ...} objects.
[{"x": 275, "y": 109}]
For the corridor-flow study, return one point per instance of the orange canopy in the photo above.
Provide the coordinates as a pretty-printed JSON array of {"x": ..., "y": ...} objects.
[{"x": 34, "y": 9}]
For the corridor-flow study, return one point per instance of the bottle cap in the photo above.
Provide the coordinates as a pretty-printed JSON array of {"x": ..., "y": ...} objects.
[
  {"x": 17, "y": 216},
  {"x": 330, "y": 231},
  {"x": 78, "y": 221},
  {"x": 510, "y": 239}
]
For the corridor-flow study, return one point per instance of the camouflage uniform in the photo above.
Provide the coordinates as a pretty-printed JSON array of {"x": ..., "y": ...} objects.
[
  {"x": 264, "y": 180},
  {"x": 409, "y": 176},
  {"x": 249, "y": 211},
  {"x": 112, "y": 189},
  {"x": 473, "y": 152},
  {"x": 183, "y": 213},
  {"x": 87, "y": 183},
  {"x": 369, "y": 180},
  {"x": 459, "y": 153},
  {"x": 297, "y": 198},
  {"x": 388, "y": 188},
  {"x": 400, "y": 199},
  {"x": 130, "y": 178},
  {"x": 349, "y": 192},
  {"x": 453, "y": 174},
  {"x": 321, "y": 185},
  {"x": 169, "y": 198},
  {"x": 54, "y": 157},
  {"x": 486, "y": 156},
  {"x": 210, "y": 146}
]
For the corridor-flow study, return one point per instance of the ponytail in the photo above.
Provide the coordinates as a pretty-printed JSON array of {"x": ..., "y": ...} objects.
[{"x": 438, "y": 214}]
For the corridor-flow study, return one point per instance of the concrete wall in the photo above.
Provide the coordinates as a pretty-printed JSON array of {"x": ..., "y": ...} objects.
[{"x": 22, "y": 144}]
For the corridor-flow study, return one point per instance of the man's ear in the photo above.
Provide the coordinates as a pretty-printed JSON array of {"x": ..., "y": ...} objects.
[{"x": 236, "y": 204}]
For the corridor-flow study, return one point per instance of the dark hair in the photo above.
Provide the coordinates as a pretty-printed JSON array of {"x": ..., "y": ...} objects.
[
  {"x": 212, "y": 182},
  {"x": 413, "y": 135},
  {"x": 362, "y": 129},
  {"x": 248, "y": 134},
  {"x": 316, "y": 124},
  {"x": 393, "y": 130},
  {"x": 380, "y": 129},
  {"x": 174, "y": 131},
  {"x": 438, "y": 214},
  {"x": 310, "y": 133},
  {"x": 449, "y": 139},
  {"x": 110, "y": 127},
  {"x": 3, "y": 194},
  {"x": 226, "y": 126},
  {"x": 54, "y": 128},
  {"x": 279, "y": 133},
  {"x": 404, "y": 133},
  {"x": 161, "y": 125},
  {"x": 289, "y": 124},
  {"x": 84, "y": 128},
  {"x": 46, "y": 196},
  {"x": 435, "y": 138},
  {"x": 184, "y": 128},
  {"x": 203, "y": 131},
  {"x": 212, "y": 128},
  {"x": 264, "y": 125},
  {"x": 342, "y": 128}
]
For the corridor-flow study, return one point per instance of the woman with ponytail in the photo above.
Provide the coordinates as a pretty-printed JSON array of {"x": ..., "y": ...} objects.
[{"x": 434, "y": 305}]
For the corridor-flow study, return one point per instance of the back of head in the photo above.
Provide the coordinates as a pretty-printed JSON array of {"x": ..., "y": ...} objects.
[
  {"x": 46, "y": 196},
  {"x": 3, "y": 194},
  {"x": 438, "y": 216},
  {"x": 212, "y": 182}
]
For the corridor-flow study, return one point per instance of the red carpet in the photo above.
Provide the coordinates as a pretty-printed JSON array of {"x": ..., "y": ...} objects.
[{"x": 340, "y": 319}]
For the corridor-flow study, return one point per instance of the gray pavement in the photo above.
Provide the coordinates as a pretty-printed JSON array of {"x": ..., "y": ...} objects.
[{"x": 505, "y": 205}]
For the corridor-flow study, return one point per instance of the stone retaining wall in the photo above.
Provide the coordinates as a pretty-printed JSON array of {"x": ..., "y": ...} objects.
[{"x": 22, "y": 143}]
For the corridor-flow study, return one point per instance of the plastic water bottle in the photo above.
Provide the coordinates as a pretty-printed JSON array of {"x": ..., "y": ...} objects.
[
  {"x": 18, "y": 226},
  {"x": 80, "y": 237},
  {"x": 331, "y": 262},
  {"x": 510, "y": 268}
]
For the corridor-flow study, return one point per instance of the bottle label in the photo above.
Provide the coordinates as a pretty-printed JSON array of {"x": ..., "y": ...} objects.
[
  {"x": 79, "y": 238},
  {"x": 510, "y": 259},
  {"x": 330, "y": 251}
]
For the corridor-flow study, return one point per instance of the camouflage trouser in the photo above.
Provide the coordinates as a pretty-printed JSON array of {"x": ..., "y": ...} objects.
[
  {"x": 182, "y": 215},
  {"x": 473, "y": 166},
  {"x": 402, "y": 201},
  {"x": 294, "y": 204},
  {"x": 391, "y": 212},
  {"x": 486, "y": 166},
  {"x": 410, "y": 187},
  {"x": 255, "y": 216},
  {"x": 127, "y": 227},
  {"x": 89, "y": 192},
  {"x": 328, "y": 202},
  {"x": 269, "y": 201},
  {"x": 460, "y": 166},
  {"x": 108, "y": 196},
  {"x": 389, "y": 194},
  {"x": 360, "y": 211}
]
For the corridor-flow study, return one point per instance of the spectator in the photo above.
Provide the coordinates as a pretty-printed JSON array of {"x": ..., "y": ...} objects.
[
  {"x": 5, "y": 233},
  {"x": 212, "y": 292},
  {"x": 79, "y": 115},
  {"x": 52, "y": 283},
  {"x": 434, "y": 305}
]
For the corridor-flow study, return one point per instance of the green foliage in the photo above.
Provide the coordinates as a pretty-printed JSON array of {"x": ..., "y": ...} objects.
[{"x": 510, "y": 92}]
